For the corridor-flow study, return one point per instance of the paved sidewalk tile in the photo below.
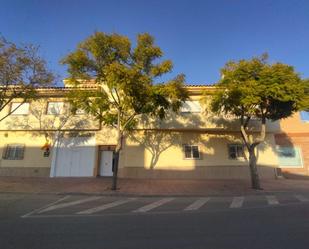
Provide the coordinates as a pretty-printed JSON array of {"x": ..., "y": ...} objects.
[{"x": 147, "y": 187}]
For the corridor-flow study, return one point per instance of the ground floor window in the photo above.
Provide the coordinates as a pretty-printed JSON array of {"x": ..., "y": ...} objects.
[
  {"x": 14, "y": 152},
  {"x": 191, "y": 152},
  {"x": 236, "y": 151},
  {"x": 304, "y": 115},
  {"x": 289, "y": 156}
]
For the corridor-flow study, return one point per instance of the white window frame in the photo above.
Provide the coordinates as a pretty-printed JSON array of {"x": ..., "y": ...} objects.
[
  {"x": 23, "y": 109},
  {"x": 291, "y": 166},
  {"x": 14, "y": 148},
  {"x": 191, "y": 152},
  {"x": 61, "y": 109},
  {"x": 301, "y": 117},
  {"x": 191, "y": 106},
  {"x": 242, "y": 157}
]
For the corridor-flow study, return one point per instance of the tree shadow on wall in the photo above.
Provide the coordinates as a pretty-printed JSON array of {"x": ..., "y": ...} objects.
[
  {"x": 232, "y": 123},
  {"x": 158, "y": 136},
  {"x": 156, "y": 142},
  {"x": 52, "y": 126}
]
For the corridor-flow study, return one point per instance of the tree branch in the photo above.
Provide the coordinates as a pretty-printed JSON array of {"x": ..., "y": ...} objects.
[
  {"x": 117, "y": 96},
  {"x": 246, "y": 123},
  {"x": 129, "y": 120},
  {"x": 262, "y": 136},
  {"x": 115, "y": 101},
  {"x": 5, "y": 103},
  {"x": 11, "y": 111},
  {"x": 243, "y": 131}
]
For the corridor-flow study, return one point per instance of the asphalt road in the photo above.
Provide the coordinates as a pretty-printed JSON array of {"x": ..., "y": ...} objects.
[{"x": 252, "y": 222}]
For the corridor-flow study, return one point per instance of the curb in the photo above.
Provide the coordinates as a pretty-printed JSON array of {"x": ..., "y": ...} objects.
[{"x": 120, "y": 194}]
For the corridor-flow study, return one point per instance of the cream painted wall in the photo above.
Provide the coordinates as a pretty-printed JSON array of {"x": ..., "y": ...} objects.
[
  {"x": 204, "y": 120},
  {"x": 213, "y": 147},
  {"x": 33, "y": 155},
  {"x": 213, "y": 150},
  {"x": 138, "y": 151},
  {"x": 106, "y": 136},
  {"x": 38, "y": 119}
]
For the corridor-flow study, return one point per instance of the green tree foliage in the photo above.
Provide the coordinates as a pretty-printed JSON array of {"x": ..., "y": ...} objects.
[
  {"x": 260, "y": 90},
  {"x": 22, "y": 70},
  {"x": 305, "y": 103},
  {"x": 125, "y": 78}
]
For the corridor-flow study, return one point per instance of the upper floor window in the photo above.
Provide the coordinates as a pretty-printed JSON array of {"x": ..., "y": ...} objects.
[
  {"x": 55, "y": 108},
  {"x": 289, "y": 156},
  {"x": 191, "y": 152},
  {"x": 80, "y": 111},
  {"x": 14, "y": 152},
  {"x": 191, "y": 107},
  {"x": 304, "y": 115},
  {"x": 236, "y": 151},
  {"x": 19, "y": 108}
]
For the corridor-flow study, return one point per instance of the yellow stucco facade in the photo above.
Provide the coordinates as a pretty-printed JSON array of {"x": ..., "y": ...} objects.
[
  {"x": 165, "y": 157},
  {"x": 154, "y": 150}
]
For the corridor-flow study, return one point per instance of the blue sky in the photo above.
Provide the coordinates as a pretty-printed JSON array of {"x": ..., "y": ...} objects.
[{"x": 199, "y": 36}]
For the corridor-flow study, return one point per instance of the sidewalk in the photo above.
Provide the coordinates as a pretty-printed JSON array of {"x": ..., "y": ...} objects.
[{"x": 146, "y": 187}]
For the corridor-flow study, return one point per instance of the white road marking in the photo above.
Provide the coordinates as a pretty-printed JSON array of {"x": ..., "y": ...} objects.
[
  {"x": 105, "y": 206},
  {"x": 237, "y": 202},
  {"x": 197, "y": 204},
  {"x": 301, "y": 198},
  {"x": 48, "y": 205},
  {"x": 69, "y": 204},
  {"x": 153, "y": 205},
  {"x": 272, "y": 200}
]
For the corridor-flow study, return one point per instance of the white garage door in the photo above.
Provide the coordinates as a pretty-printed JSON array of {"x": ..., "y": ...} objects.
[{"x": 74, "y": 157}]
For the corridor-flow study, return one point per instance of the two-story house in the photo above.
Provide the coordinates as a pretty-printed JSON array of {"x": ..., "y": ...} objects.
[{"x": 43, "y": 138}]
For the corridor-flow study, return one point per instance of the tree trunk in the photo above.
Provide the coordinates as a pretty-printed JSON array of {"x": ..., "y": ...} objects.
[
  {"x": 115, "y": 169},
  {"x": 251, "y": 145},
  {"x": 117, "y": 153},
  {"x": 255, "y": 180}
]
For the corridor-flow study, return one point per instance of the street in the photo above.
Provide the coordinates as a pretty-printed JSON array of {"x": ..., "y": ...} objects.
[{"x": 33, "y": 221}]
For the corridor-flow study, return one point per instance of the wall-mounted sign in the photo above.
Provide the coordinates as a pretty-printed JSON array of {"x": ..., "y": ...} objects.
[
  {"x": 46, "y": 153},
  {"x": 46, "y": 149}
]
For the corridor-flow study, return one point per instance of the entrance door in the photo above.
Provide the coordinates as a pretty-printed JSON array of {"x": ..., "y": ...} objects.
[{"x": 106, "y": 163}]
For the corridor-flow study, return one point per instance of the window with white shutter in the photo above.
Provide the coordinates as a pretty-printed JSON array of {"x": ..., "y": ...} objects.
[
  {"x": 18, "y": 108},
  {"x": 191, "y": 107}
]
